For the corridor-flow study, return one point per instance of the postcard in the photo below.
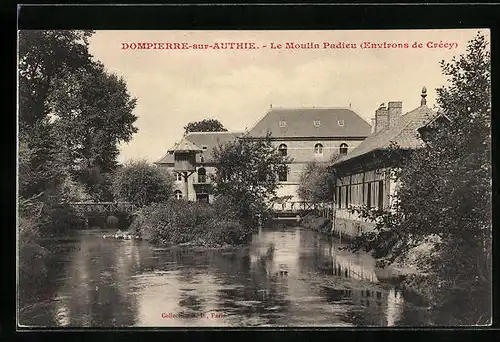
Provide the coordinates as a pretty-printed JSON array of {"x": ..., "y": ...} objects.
[{"x": 253, "y": 179}]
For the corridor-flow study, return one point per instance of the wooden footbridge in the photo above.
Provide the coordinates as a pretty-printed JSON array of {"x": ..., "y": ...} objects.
[
  {"x": 104, "y": 207},
  {"x": 293, "y": 208}
]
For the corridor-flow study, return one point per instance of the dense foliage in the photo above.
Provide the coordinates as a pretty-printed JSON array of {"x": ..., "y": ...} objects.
[
  {"x": 444, "y": 199},
  {"x": 246, "y": 175},
  {"x": 72, "y": 115},
  {"x": 205, "y": 125},
  {"x": 197, "y": 223},
  {"x": 317, "y": 182},
  {"x": 141, "y": 183}
]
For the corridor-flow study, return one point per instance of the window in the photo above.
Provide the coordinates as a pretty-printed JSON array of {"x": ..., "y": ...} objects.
[
  {"x": 341, "y": 123},
  {"x": 178, "y": 194},
  {"x": 283, "y": 149},
  {"x": 282, "y": 123},
  {"x": 343, "y": 148},
  {"x": 318, "y": 149},
  {"x": 178, "y": 177},
  {"x": 317, "y": 123},
  {"x": 380, "y": 194},
  {"x": 283, "y": 176},
  {"x": 204, "y": 147},
  {"x": 202, "y": 175},
  {"x": 202, "y": 159}
]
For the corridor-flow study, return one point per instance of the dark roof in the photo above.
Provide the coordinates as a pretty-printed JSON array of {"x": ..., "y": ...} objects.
[
  {"x": 210, "y": 140},
  {"x": 300, "y": 123},
  {"x": 404, "y": 134},
  {"x": 185, "y": 146}
]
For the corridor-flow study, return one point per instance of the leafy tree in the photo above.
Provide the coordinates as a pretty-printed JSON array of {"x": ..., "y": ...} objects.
[
  {"x": 140, "y": 183},
  {"x": 206, "y": 125},
  {"x": 317, "y": 182},
  {"x": 247, "y": 173},
  {"x": 445, "y": 196},
  {"x": 73, "y": 114},
  {"x": 92, "y": 115},
  {"x": 44, "y": 56}
]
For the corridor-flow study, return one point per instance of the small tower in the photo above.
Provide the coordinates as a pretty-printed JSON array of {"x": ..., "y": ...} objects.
[
  {"x": 185, "y": 160},
  {"x": 423, "y": 102}
]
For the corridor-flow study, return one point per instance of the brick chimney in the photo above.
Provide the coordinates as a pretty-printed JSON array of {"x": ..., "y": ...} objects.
[
  {"x": 394, "y": 112},
  {"x": 381, "y": 118}
]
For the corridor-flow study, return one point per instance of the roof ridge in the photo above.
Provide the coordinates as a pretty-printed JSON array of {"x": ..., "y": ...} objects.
[
  {"x": 225, "y": 132},
  {"x": 314, "y": 107}
]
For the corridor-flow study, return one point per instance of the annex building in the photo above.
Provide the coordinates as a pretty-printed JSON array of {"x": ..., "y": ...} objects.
[{"x": 364, "y": 175}]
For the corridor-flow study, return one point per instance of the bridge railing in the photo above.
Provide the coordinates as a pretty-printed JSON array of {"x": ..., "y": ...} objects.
[
  {"x": 104, "y": 206},
  {"x": 296, "y": 206}
]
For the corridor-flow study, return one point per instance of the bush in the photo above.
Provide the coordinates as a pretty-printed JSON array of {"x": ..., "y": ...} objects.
[
  {"x": 190, "y": 222},
  {"x": 142, "y": 184},
  {"x": 57, "y": 219}
]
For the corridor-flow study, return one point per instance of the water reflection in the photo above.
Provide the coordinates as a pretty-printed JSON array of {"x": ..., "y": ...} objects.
[{"x": 285, "y": 277}]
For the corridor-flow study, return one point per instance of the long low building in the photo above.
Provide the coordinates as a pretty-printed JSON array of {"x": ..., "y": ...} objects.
[{"x": 364, "y": 175}]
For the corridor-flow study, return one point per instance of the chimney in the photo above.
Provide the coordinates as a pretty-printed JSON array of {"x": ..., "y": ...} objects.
[
  {"x": 394, "y": 112},
  {"x": 373, "y": 125},
  {"x": 381, "y": 118}
]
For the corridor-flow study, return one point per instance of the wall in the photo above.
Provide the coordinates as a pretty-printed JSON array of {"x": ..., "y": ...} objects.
[
  {"x": 353, "y": 187},
  {"x": 302, "y": 153},
  {"x": 192, "y": 182}
]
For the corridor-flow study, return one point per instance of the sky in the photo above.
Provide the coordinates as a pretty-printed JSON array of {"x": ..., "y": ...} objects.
[{"x": 237, "y": 87}]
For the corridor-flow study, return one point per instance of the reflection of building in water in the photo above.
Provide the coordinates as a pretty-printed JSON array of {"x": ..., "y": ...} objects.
[
  {"x": 394, "y": 307},
  {"x": 62, "y": 314},
  {"x": 277, "y": 251},
  {"x": 346, "y": 264}
]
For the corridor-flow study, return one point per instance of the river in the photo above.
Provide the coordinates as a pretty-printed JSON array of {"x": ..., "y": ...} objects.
[{"x": 286, "y": 276}]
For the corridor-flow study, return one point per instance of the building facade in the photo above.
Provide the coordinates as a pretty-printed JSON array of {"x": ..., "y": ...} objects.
[
  {"x": 306, "y": 135},
  {"x": 364, "y": 176},
  {"x": 199, "y": 183},
  {"x": 309, "y": 135}
]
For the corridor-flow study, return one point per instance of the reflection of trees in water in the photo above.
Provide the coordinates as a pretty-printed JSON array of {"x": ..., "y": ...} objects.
[
  {"x": 37, "y": 292},
  {"x": 97, "y": 291}
]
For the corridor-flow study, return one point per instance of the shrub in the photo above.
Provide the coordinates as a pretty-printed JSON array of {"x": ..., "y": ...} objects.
[
  {"x": 59, "y": 218},
  {"x": 190, "y": 222}
]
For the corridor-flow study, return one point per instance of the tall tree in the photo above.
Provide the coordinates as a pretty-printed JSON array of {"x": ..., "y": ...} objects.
[
  {"x": 445, "y": 196},
  {"x": 247, "y": 173},
  {"x": 205, "y": 125},
  {"x": 43, "y": 56},
  {"x": 92, "y": 115}
]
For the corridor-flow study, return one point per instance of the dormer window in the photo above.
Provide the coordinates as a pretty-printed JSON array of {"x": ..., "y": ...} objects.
[
  {"x": 317, "y": 123},
  {"x": 282, "y": 123},
  {"x": 341, "y": 123}
]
